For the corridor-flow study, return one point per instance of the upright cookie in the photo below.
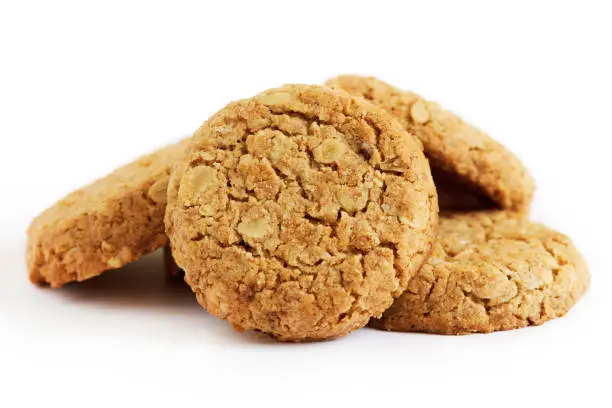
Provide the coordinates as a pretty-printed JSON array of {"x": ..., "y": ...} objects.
[
  {"x": 452, "y": 146},
  {"x": 301, "y": 212},
  {"x": 113, "y": 221},
  {"x": 490, "y": 271}
]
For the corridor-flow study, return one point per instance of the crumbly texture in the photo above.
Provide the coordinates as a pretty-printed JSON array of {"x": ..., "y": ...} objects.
[
  {"x": 450, "y": 144},
  {"x": 301, "y": 212},
  {"x": 490, "y": 271},
  {"x": 113, "y": 221}
]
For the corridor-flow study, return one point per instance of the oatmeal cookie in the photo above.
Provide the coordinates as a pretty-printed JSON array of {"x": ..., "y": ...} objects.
[
  {"x": 301, "y": 212},
  {"x": 451, "y": 145},
  {"x": 490, "y": 271},
  {"x": 113, "y": 221}
]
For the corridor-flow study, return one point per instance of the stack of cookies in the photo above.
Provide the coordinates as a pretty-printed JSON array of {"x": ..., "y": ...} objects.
[{"x": 308, "y": 212}]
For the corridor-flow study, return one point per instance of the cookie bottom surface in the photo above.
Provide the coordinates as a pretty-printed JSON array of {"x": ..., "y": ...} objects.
[{"x": 490, "y": 271}]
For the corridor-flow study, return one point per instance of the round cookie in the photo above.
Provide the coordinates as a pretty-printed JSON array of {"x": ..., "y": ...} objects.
[
  {"x": 490, "y": 271},
  {"x": 480, "y": 163},
  {"x": 112, "y": 221},
  {"x": 301, "y": 212}
]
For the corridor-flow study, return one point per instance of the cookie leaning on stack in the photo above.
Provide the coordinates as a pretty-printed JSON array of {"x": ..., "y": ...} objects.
[{"x": 301, "y": 212}]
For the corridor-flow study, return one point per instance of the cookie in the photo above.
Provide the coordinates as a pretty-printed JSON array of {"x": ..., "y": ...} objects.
[
  {"x": 112, "y": 221},
  {"x": 301, "y": 212},
  {"x": 490, "y": 271},
  {"x": 452, "y": 146}
]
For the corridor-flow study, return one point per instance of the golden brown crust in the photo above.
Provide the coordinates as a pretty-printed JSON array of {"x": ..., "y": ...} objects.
[
  {"x": 490, "y": 271},
  {"x": 105, "y": 225},
  {"x": 450, "y": 144},
  {"x": 301, "y": 212}
]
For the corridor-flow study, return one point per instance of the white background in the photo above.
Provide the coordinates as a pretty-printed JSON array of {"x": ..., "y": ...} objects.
[{"x": 85, "y": 88}]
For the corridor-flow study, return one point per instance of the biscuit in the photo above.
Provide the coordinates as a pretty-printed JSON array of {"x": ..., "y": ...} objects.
[
  {"x": 301, "y": 212},
  {"x": 490, "y": 271},
  {"x": 112, "y": 221},
  {"x": 451, "y": 145}
]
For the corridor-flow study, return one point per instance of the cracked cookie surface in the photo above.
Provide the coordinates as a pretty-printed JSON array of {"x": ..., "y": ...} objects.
[
  {"x": 490, "y": 271},
  {"x": 301, "y": 212},
  {"x": 452, "y": 146},
  {"x": 112, "y": 221}
]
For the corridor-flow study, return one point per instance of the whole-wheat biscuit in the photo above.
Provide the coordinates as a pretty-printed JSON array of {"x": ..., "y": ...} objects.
[
  {"x": 473, "y": 158},
  {"x": 301, "y": 212},
  {"x": 104, "y": 225},
  {"x": 490, "y": 271}
]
